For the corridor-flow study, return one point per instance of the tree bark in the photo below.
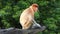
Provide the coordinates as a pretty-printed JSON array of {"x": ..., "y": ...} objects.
[{"x": 20, "y": 31}]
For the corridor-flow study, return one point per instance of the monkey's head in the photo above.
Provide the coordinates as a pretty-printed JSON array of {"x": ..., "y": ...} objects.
[{"x": 35, "y": 7}]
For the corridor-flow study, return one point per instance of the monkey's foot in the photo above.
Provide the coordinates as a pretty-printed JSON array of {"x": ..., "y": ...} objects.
[{"x": 42, "y": 28}]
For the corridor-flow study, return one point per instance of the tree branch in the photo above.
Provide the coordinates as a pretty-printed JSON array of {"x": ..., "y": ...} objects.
[{"x": 20, "y": 31}]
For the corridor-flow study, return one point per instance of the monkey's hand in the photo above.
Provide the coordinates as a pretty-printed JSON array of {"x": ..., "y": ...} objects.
[{"x": 37, "y": 26}]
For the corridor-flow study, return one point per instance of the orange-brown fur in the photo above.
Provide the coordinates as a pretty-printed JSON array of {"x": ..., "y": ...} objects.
[{"x": 27, "y": 16}]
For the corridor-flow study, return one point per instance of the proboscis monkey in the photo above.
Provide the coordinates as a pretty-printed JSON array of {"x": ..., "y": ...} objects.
[{"x": 27, "y": 17}]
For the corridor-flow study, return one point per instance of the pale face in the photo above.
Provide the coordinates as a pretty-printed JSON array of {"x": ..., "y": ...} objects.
[{"x": 35, "y": 9}]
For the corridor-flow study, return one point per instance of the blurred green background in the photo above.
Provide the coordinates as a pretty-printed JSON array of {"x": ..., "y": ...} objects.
[{"x": 47, "y": 15}]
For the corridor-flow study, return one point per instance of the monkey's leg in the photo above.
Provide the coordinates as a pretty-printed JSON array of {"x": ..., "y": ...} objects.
[{"x": 27, "y": 25}]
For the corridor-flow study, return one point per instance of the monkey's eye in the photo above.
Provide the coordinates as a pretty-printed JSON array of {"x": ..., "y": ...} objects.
[{"x": 35, "y": 6}]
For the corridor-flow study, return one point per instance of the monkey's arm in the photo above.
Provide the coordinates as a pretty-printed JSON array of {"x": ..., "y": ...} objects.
[{"x": 36, "y": 24}]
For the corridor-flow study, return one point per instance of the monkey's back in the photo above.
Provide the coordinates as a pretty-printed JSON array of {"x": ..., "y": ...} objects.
[{"x": 25, "y": 19}]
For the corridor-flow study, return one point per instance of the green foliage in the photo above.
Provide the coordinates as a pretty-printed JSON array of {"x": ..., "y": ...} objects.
[{"x": 48, "y": 14}]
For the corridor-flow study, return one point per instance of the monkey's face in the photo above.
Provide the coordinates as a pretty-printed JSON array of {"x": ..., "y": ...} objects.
[{"x": 35, "y": 7}]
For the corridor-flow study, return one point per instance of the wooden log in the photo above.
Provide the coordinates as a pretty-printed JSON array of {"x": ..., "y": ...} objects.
[{"x": 20, "y": 31}]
